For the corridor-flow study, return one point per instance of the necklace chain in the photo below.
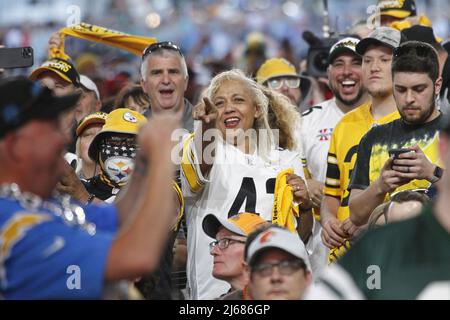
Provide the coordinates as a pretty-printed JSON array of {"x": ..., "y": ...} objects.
[{"x": 71, "y": 214}]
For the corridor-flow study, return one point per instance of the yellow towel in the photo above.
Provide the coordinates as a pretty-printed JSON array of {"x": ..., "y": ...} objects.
[
  {"x": 336, "y": 253},
  {"x": 180, "y": 198},
  {"x": 131, "y": 43},
  {"x": 284, "y": 210}
]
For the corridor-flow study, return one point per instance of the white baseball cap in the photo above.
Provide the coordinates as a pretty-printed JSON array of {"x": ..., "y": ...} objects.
[
  {"x": 280, "y": 239},
  {"x": 89, "y": 85}
]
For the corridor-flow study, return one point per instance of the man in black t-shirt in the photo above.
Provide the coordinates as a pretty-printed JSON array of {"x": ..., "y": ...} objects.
[
  {"x": 404, "y": 260},
  {"x": 416, "y": 84}
]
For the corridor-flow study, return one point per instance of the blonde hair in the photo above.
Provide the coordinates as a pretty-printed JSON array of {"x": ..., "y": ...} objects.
[
  {"x": 283, "y": 115},
  {"x": 274, "y": 110}
]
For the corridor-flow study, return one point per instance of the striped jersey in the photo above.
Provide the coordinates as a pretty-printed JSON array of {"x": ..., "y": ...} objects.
[{"x": 343, "y": 149}]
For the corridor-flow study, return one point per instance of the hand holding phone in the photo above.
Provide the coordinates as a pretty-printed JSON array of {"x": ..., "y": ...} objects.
[{"x": 394, "y": 153}]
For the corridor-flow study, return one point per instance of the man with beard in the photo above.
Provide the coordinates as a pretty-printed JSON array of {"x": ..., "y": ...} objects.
[
  {"x": 345, "y": 81},
  {"x": 376, "y": 51},
  {"x": 416, "y": 80},
  {"x": 344, "y": 76}
]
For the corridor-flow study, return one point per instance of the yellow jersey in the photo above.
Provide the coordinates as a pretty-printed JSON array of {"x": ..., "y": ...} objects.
[{"x": 343, "y": 150}]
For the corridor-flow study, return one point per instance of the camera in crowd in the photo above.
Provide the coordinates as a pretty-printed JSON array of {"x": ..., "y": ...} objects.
[{"x": 317, "y": 59}]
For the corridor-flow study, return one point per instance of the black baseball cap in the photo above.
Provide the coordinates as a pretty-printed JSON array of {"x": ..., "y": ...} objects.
[
  {"x": 420, "y": 33},
  {"x": 63, "y": 68},
  {"x": 23, "y": 100},
  {"x": 346, "y": 45}
]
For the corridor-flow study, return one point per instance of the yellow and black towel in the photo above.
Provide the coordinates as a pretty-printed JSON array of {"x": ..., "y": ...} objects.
[{"x": 284, "y": 210}]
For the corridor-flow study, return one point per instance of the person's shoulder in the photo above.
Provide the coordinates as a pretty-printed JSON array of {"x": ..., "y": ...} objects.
[
  {"x": 381, "y": 128},
  {"x": 13, "y": 210},
  {"x": 313, "y": 110},
  {"x": 358, "y": 113},
  {"x": 319, "y": 109},
  {"x": 285, "y": 155}
]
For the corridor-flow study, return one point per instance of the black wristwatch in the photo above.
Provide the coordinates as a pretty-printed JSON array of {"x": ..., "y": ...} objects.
[{"x": 437, "y": 174}]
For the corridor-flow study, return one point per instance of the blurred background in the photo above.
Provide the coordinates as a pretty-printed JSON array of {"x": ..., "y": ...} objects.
[{"x": 213, "y": 34}]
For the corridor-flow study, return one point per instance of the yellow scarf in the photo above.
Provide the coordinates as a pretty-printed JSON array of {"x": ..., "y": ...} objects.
[
  {"x": 90, "y": 32},
  {"x": 284, "y": 210}
]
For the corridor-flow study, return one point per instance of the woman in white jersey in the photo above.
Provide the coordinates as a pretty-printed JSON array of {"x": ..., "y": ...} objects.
[{"x": 230, "y": 165}]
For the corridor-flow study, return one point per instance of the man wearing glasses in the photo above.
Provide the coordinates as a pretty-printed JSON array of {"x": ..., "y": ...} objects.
[
  {"x": 379, "y": 171},
  {"x": 164, "y": 78},
  {"x": 277, "y": 265},
  {"x": 228, "y": 248},
  {"x": 280, "y": 75}
]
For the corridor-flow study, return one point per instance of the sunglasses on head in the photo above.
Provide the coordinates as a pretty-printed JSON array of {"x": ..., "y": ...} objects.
[{"x": 161, "y": 45}]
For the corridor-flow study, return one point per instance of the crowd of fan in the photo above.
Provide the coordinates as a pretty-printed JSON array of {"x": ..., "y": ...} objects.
[{"x": 275, "y": 193}]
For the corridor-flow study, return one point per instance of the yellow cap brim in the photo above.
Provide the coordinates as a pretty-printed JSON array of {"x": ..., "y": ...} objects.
[
  {"x": 401, "y": 14},
  {"x": 35, "y": 74},
  {"x": 88, "y": 122}
]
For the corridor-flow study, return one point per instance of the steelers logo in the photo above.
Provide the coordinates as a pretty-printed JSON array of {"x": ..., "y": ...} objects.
[{"x": 128, "y": 116}]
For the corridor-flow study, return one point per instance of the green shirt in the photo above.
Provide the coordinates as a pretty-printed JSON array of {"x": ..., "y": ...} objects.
[{"x": 411, "y": 255}]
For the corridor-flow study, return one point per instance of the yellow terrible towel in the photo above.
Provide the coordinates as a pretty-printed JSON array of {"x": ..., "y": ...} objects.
[
  {"x": 131, "y": 43},
  {"x": 284, "y": 210}
]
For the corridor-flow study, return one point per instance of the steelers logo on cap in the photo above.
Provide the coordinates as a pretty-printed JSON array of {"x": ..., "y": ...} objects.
[{"x": 127, "y": 116}]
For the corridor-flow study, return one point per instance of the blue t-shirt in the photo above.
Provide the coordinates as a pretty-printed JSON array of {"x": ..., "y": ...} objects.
[{"x": 41, "y": 257}]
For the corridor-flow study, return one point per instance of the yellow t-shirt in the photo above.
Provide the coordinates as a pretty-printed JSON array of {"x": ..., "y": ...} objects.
[{"x": 343, "y": 149}]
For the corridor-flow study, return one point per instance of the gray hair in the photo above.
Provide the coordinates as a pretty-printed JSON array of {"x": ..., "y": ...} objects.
[{"x": 163, "y": 52}]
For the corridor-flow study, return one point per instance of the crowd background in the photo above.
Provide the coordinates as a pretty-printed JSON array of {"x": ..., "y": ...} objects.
[{"x": 216, "y": 32}]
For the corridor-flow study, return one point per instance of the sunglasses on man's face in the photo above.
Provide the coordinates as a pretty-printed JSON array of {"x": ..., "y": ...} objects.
[{"x": 161, "y": 45}]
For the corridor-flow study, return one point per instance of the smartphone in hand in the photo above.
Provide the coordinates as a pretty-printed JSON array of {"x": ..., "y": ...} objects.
[{"x": 394, "y": 153}]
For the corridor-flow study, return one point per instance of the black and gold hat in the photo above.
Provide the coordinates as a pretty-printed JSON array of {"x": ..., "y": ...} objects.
[
  {"x": 63, "y": 68},
  {"x": 397, "y": 8}
]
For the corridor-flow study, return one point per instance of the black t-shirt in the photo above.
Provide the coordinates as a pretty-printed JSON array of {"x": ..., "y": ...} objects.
[{"x": 373, "y": 150}]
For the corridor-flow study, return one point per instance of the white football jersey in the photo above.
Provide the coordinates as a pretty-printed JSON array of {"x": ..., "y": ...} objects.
[
  {"x": 317, "y": 126},
  {"x": 237, "y": 182}
]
